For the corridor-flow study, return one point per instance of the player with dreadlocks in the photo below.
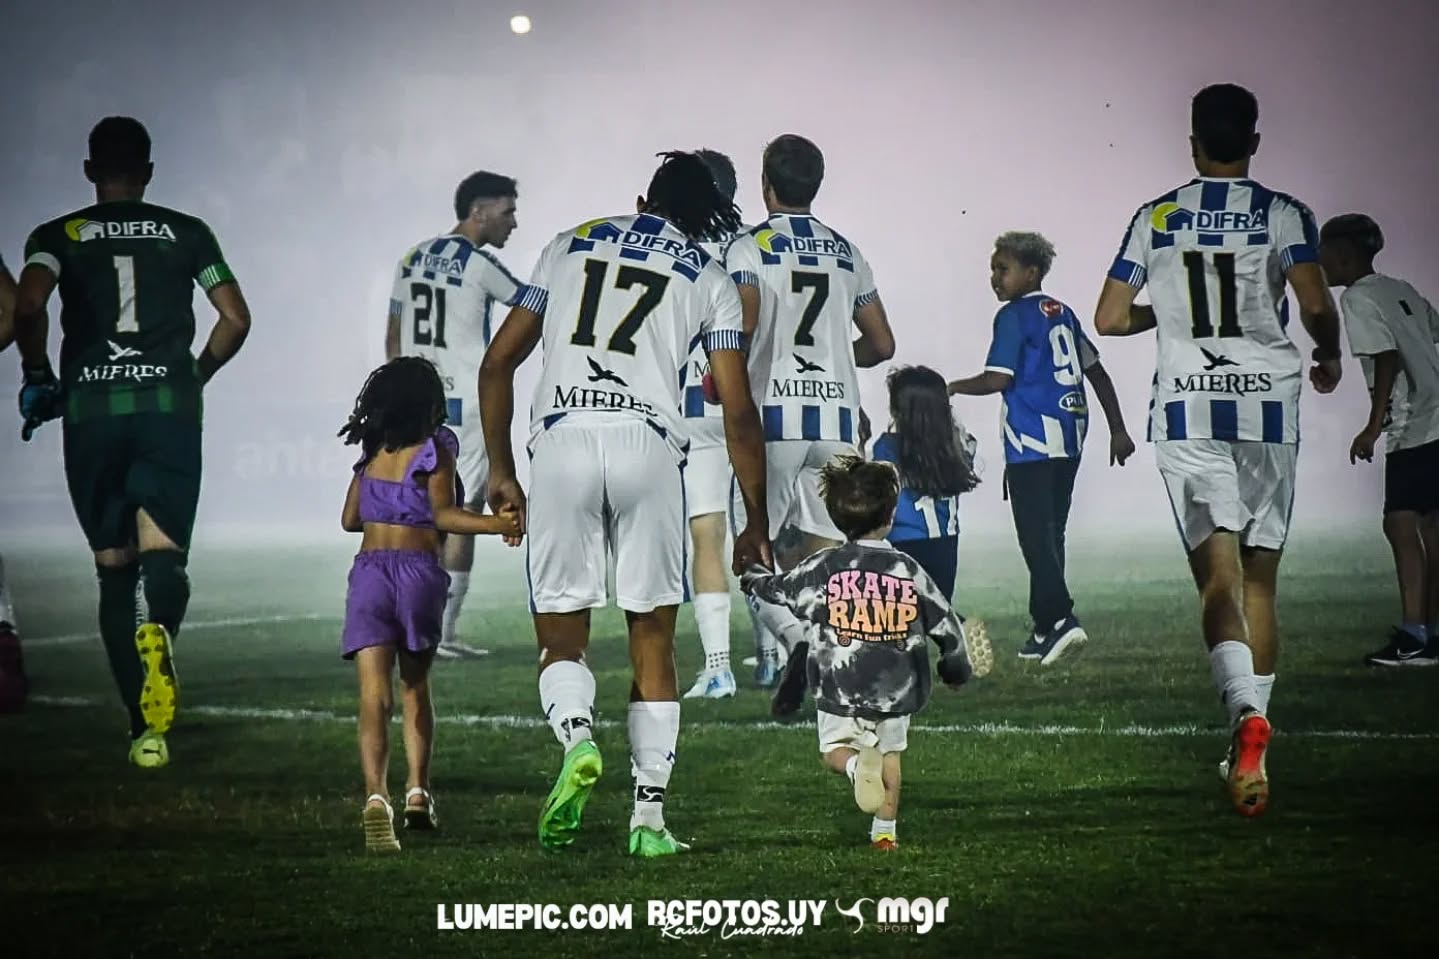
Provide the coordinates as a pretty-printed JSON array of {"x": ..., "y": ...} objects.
[
  {"x": 403, "y": 496},
  {"x": 616, "y": 304}
]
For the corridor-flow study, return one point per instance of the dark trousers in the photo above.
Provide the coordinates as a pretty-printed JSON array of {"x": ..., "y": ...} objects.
[
  {"x": 938, "y": 557},
  {"x": 1040, "y": 493}
]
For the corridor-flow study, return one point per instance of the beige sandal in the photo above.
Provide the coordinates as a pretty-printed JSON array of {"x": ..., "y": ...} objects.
[
  {"x": 420, "y": 817},
  {"x": 379, "y": 823}
]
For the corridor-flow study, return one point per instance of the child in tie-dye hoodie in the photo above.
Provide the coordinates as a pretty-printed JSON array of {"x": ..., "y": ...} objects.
[{"x": 875, "y": 610}]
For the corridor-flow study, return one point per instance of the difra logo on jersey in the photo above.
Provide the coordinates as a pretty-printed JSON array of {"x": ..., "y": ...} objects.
[
  {"x": 772, "y": 243},
  {"x": 1171, "y": 218},
  {"x": 82, "y": 230}
]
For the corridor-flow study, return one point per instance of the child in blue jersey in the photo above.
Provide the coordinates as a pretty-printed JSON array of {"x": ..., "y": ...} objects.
[
  {"x": 1038, "y": 360},
  {"x": 934, "y": 456}
]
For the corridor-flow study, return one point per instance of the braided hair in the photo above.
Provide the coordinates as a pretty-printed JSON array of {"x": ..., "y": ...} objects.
[
  {"x": 683, "y": 191},
  {"x": 930, "y": 458},
  {"x": 401, "y": 404}
]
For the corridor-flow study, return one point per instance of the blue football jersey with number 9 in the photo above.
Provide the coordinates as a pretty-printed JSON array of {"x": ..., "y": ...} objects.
[{"x": 1045, "y": 412}]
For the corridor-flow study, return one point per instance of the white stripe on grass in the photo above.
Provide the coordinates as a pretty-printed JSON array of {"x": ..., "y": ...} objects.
[
  {"x": 73, "y": 638},
  {"x": 502, "y": 721}
]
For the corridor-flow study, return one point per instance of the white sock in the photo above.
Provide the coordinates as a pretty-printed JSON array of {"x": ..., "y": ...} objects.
[
  {"x": 454, "y": 599},
  {"x": 766, "y": 646},
  {"x": 712, "y": 618},
  {"x": 849, "y": 765},
  {"x": 654, "y": 733},
  {"x": 780, "y": 625},
  {"x": 881, "y": 827},
  {"x": 567, "y": 695},
  {"x": 1232, "y": 664},
  {"x": 7, "y": 611},
  {"x": 1264, "y": 685}
]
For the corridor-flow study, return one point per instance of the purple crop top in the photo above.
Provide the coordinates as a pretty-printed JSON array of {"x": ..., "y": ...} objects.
[{"x": 407, "y": 502}]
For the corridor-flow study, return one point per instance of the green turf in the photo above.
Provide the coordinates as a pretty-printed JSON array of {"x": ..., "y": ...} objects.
[{"x": 1065, "y": 844}]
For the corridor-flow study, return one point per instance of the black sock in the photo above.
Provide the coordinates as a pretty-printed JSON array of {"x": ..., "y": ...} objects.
[
  {"x": 167, "y": 587},
  {"x": 117, "y": 632}
]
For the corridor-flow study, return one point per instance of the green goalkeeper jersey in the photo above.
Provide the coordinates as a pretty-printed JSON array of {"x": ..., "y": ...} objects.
[{"x": 126, "y": 273}]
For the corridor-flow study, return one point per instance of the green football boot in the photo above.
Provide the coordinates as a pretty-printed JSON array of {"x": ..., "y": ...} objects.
[
  {"x": 650, "y": 843},
  {"x": 560, "y": 819}
]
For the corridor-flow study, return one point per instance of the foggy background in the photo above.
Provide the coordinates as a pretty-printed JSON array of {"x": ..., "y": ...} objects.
[{"x": 321, "y": 139}]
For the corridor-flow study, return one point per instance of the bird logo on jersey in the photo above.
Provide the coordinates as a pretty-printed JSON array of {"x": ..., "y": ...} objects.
[
  {"x": 601, "y": 375},
  {"x": 118, "y": 352},
  {"x": 803, "y": 365},
  {"x": 1216, "y": 360}
]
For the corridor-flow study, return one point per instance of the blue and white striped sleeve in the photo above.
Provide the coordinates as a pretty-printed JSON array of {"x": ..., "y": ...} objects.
[
  {"x": 535, "y": 295},
  {"x": 742, "y": 261},
  {"x": 1131, "y": 264},
  {"x": 495, "y": 280},
  {"x": 534, "y": 298},
  {"x": 1293, "y": 233},
  {"x": 867, "y": 292},
  {"x": 723, "y": 326}
]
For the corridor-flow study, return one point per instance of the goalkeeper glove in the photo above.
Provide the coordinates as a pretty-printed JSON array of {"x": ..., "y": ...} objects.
[{"x": 40, "y": 398}]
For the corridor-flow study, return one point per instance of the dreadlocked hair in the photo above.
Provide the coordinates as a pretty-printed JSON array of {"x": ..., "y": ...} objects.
[
  {"x": 401, "y": 404},
  {"x": 931, "y": 459},
  {"x": 683, "y": 191}
]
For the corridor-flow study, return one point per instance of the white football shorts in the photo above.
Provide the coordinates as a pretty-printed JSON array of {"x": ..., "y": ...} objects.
[
  {"x": 707, "y": 480},
  {"x": 473, "y": 463},
  {"x": 851, "y": 732},
  {"x": 605, "y": 486},
  {"x": 1244, "y": 487},
  {"x": 792, "y": 486}
]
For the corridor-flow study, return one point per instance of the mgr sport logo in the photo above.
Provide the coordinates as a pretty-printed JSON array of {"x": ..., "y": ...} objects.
[{"x": 731, "y": 918}]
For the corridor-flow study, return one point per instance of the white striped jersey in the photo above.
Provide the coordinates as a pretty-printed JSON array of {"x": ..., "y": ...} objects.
[
  {"x": 1214, "y": 254},
  {"x": 710, "y": 433},
  {"x": 801, "y": 362},
  {"x": 1382, "y": 314},
  {"x": 625, "y": 300},
  {"x": 445, "y": 293}
]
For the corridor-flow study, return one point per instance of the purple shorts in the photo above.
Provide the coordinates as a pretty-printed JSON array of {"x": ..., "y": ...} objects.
[{"x": 396, "y": 598}]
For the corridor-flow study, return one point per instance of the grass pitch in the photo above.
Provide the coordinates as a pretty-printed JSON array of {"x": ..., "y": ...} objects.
[{"x": 1073, "y": 811}]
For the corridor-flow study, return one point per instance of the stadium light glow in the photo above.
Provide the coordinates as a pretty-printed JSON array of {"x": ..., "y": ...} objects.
[{"x": 520, "y": 24}]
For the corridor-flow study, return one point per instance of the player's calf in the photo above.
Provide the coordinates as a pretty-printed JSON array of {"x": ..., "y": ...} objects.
[{"x": 167, "y": 587}]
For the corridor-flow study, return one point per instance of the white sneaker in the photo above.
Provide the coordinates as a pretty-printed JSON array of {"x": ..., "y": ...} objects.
[
  {"x": 713, "y": 684},
  {"x": 444, "y": 651},
  {"x": 463, "y": 651}
]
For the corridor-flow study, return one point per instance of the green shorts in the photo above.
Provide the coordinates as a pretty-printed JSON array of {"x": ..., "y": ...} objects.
[{"x": 118, "y": 465}]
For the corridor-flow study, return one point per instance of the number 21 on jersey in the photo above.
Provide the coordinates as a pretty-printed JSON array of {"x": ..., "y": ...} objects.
[{"x": 429, "y": 307}]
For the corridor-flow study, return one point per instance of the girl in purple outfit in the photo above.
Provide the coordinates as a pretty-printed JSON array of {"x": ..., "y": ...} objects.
[{"x": 403, "y": 497}]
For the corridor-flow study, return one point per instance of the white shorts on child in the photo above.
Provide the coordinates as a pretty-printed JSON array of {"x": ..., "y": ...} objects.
[{"x": 852, "y": 732}]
